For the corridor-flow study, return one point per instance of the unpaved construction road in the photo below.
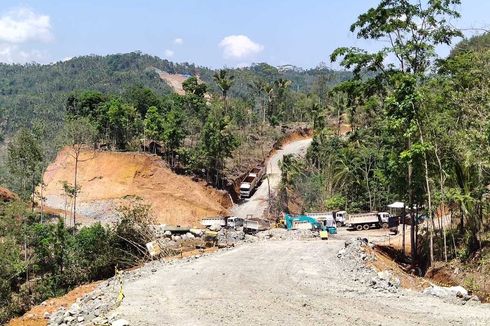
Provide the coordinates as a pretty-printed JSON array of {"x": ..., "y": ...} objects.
[
  {"x": 257, "y": 204},
  {"x": 280, "y": 283}
]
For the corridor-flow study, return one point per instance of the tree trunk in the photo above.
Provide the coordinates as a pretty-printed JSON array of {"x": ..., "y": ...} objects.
[{"x": 75, "y": 191}]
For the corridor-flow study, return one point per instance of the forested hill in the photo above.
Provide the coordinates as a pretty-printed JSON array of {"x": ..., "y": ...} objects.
[{"x": 37, "y": 93}]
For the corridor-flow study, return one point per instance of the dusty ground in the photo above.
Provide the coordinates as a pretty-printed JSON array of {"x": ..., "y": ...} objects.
[
  {"x": 108, "y": 178},
  {"x": 279, "y": 283},
  {"x": 258, "y": 203}
]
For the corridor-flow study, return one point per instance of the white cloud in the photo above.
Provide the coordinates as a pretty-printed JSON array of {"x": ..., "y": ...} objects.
[
  {"x": 12, "y": 53},
  {"x": 239, "y": 47},
  {"x": 169, "y": 53},
  {"x": 179, "y": 41},
  {"x": 23, "y": 24}
]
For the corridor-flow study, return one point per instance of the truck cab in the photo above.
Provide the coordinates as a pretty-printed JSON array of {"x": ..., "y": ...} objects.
[
  {"x": 340, "y": 218},
  {"x": 384, "y": 217},
  {"x": 245, "y": 190}
]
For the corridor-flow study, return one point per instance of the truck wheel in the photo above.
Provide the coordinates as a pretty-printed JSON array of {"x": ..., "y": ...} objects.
[
  {"x": 366, "y": 226},
  {"x": 359, "y": 227},
  {"x": 384, "y": 226},
  {"x": 339, "y": 224}
]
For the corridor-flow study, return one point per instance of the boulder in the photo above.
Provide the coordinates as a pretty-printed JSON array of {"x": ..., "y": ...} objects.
[{"x": 447, "y": 292}]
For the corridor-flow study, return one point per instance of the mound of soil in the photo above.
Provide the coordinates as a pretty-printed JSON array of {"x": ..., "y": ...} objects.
[{"x": 107, "y": 179}]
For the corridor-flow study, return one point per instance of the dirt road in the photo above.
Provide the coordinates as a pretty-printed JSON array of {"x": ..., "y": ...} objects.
[
  {"x": 257, "y": 204},
  {"x": 279, "y": 283}
]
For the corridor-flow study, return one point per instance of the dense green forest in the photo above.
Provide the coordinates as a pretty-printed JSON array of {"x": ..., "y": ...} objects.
[
  {"x": 34, "y": 92},
  {"x": 420, "y": 132},
  {"x": 115, "y": 92}
]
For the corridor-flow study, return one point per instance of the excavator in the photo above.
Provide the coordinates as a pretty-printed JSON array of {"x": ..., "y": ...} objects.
[{"x": 324, "y": 230}]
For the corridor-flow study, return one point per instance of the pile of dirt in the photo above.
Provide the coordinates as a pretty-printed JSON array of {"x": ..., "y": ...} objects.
[{"x": 107, "y": 179}]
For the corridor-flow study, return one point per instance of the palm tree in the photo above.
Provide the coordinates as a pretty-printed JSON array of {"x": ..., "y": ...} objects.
[{"x": 224, "y": 82}]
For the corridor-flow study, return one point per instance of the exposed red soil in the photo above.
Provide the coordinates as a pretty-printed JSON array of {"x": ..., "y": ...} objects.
[{"x": 112, "y": 177}]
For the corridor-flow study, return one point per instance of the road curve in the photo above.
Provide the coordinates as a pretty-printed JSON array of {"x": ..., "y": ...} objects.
[{"x": 257, "y": 204}]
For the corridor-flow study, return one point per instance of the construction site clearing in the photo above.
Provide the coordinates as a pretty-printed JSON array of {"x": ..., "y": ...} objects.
[{"x": 350, "y": 261}]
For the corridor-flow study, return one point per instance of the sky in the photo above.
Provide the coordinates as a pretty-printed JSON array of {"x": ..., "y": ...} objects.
[{"x": 213, "y": 33}]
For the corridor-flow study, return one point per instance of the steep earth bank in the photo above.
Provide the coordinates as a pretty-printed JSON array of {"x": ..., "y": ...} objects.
[{"x": 109, "y": 178}]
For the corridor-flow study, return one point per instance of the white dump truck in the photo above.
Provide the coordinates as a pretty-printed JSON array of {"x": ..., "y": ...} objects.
[
  {"x": 234, "y": 222},
  {"x": 253, "y": 225},
  {"x": 364, "y": 221},
  {"x": 214, "y": 221},
  {"x": 222, "y": 221},
  {"x": 338, "y": 217},
  {"x": 251, "y": 181}
]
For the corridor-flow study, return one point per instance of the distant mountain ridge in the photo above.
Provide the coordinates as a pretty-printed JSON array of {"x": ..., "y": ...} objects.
[{"x": 34, "y": 92}]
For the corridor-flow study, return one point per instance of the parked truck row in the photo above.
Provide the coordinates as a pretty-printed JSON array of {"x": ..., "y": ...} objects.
[
  {"x": 359, "y": 221},
  {"x": 249, "y": 224}
]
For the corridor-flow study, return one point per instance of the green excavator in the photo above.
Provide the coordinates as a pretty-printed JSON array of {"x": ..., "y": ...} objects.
[{"x": 324, "y": 230}]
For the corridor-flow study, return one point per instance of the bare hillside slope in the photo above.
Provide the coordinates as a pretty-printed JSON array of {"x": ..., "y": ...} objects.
[{"x": 107, "y": 178}]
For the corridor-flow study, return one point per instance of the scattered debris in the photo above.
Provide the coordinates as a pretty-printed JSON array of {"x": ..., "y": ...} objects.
[{"x": 355, "y": 259}]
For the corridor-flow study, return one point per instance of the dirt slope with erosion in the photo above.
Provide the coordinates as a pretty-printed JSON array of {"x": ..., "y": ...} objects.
[{"x": 108, "y": 178}]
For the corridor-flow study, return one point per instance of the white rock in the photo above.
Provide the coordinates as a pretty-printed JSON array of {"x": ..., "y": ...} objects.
[
  {"x": 446, "y": 292},
  {"x": 120, "y": 322},
  {"x": 69, "y": 319},
  {"x": 99, "y": 321}
]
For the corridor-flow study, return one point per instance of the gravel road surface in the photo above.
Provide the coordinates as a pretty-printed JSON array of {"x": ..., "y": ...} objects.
[
  {"x": 257, "y": 204},
  {"x": 280, "y": 283}
]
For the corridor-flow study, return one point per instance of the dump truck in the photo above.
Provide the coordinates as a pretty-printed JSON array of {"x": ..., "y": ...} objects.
[
  {"x": 337, "y": 216},
  {"x": 223, "y": 221},
  {"x": 214, "y": 221},
  {"x": 234, "y": 222},
  {"x": 364, "y": 221},
  {"x": 254, "y": 225},
  {"x": 251, "y": 181}
]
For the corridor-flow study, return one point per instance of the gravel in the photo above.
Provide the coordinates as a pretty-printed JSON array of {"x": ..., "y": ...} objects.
[{"x": 267, "y": 283}]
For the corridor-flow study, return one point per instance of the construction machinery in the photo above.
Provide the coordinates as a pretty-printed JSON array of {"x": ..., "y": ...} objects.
[
  {"x": 295, "y": 222},
  {"x": 251, "y": 181},
  {"x": 364, "y": 221},
  {"x": 338, "y": 216}
]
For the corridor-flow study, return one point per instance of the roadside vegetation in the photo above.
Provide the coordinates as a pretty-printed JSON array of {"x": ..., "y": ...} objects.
[
  {"x": 43, "y": 260},
  {"x": 419, "y": 132}
]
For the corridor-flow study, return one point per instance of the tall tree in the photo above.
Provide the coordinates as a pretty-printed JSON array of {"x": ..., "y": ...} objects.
[
  {"x": 78, "y": 134},
  {"x": 24, "y": 162},
  {"x": 224, "y": 82},
  {"x": 411, "y": 29},
  {"x": 217, "y": 142},
  {"x": 153, "y": 124},
  {"x": 173, "y": 131}
]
